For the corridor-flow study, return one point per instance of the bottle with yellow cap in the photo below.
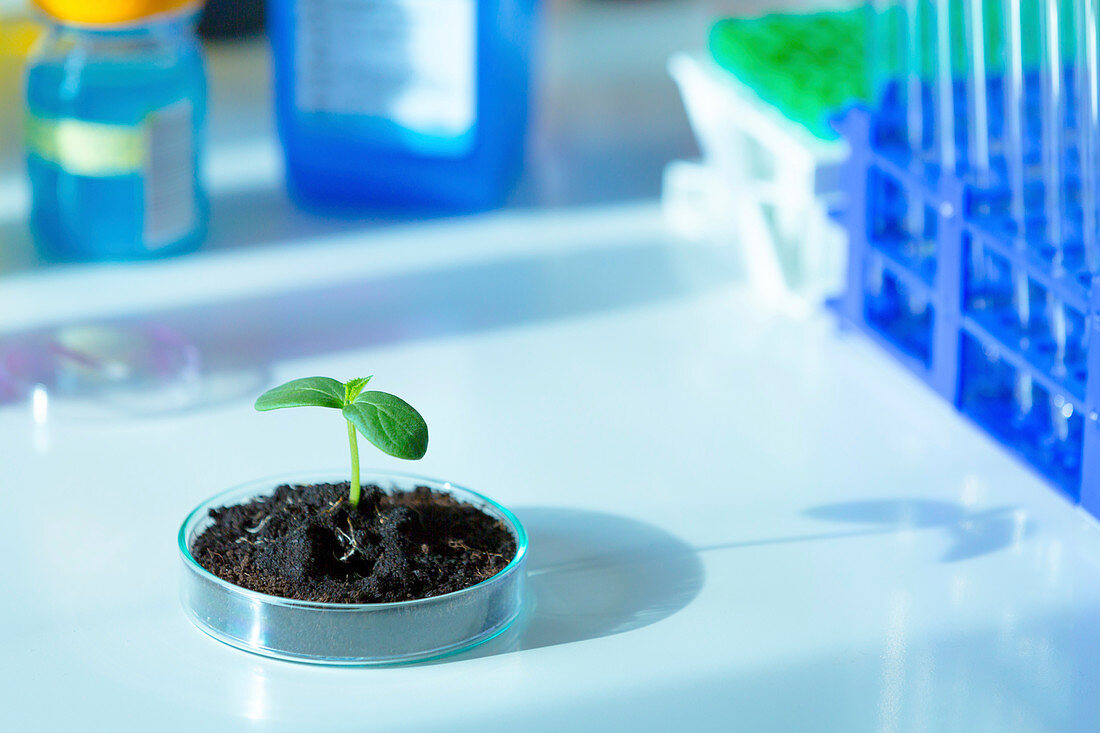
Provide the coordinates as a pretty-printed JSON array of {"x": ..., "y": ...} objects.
[{"x": 116, "y": 98}]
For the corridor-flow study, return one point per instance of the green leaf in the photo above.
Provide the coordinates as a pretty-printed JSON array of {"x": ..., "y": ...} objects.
[
  {"x": 389, "y": 423},
  {"x": 353, "y": 387},
  {"x": 307, "y": 392}
]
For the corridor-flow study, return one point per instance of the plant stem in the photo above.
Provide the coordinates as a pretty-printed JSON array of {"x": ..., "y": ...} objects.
[{"x": 353, "y": 440}]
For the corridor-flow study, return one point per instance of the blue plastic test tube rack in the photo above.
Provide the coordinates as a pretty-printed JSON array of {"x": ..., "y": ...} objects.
[
  {"x": 958, "y": 270},
  {"x": 963, "y": 338}
]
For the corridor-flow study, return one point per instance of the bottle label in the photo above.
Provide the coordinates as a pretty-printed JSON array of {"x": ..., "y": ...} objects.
[
  {"x": 169, "y": 175},
  {"x": 87, "y": 148},
  {"x": 405, "y": 68},
  {"x": 159, "y": 150}
]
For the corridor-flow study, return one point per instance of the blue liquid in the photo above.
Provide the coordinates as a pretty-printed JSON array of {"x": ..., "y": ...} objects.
[
  {"x": 349, "y": 162},
  {"x": 119, "y": 79}
]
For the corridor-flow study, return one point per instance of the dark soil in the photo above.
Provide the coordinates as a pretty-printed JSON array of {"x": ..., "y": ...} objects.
[{"x": 305, "y": 543}]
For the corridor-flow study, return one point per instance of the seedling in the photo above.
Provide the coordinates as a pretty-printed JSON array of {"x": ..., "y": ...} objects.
[{"x": 388, "y": 422}]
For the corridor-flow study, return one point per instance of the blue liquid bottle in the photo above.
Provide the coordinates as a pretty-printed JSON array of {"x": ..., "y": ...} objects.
[
  {"x": 416, "y": 104},
  {"x": 116, "y": 98}
]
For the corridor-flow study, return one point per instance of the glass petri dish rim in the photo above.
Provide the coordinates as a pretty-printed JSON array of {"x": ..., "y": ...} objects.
[{"x": 300, "y": 477}]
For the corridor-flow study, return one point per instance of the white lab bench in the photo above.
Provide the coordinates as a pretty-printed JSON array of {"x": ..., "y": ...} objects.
[{"x": 739, "y": 520}]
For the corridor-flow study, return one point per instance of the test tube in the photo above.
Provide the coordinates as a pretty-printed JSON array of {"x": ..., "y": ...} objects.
[
  {"x": 944, "y": 97},
  {"x": 881, "y": 20},
  {"x": 977, "y": 134},
  {"x": 977, "y": 118},
  {"x": 915, "y": 223},
  {"x": 886, "y": 39},
  {"x": 1087, "y": 83},
  {"x": 1015, "y": 102},
  {"x": 1052, "y": 114},
  {"x": 914, "y": 95},
  {"x": 1087, "y": 70}
]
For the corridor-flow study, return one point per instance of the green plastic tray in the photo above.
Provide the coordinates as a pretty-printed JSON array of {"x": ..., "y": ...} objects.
[{"x": 806, "y": 66}]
